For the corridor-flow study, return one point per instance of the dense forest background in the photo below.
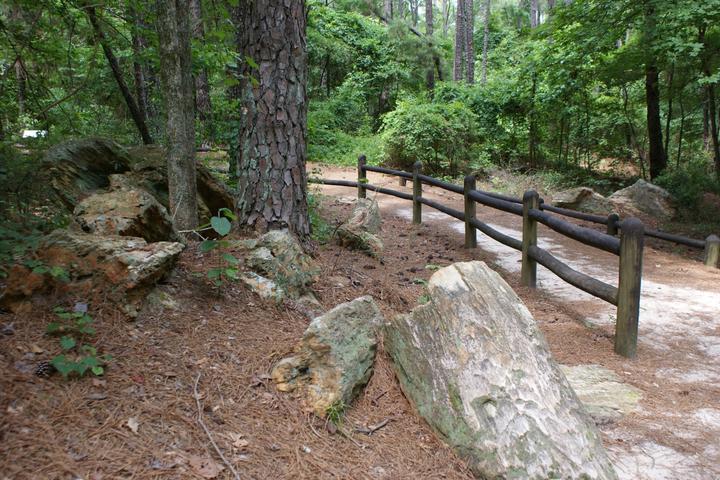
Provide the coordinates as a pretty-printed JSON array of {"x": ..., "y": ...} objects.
[{"x": 564, "y": 88}]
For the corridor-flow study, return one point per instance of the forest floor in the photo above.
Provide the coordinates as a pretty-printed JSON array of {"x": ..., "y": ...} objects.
[{"x": 141, "y": 419}]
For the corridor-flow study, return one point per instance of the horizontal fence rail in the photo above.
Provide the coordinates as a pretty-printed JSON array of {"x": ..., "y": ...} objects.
[{"x": 611, "y": 221}]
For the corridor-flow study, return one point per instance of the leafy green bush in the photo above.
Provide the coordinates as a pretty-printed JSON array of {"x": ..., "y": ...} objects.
[
  {"x": 79, "y": 358},
  {"x": 688, "y": 183},
  {"x": 441, "y": 135}
]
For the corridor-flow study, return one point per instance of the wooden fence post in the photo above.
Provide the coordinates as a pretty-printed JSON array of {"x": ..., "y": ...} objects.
[
  {"x": 528, "y": 273},
  {"x": 417, "y": 193},
  {"x": 612, "y": 225},
  {"x": 402, "y": 181},
  {"x": 362, "y": 176},
  {"x": 632, "y": 234},
  {"x": 712, "y": 251},
  {"x": 470, "y": 211}
]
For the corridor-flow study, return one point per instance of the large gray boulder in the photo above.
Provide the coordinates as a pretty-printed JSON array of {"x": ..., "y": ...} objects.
[
  {"x": 93, "y": 267},
  {"x": 583, "y": 199},
  {"x": 477, "y": 368},
  {"x": 645, "y": 198},
  {"x": 334, "y": 359},
  {"x": 126, "y": 212},
  {"x": 360, "y": 230}
]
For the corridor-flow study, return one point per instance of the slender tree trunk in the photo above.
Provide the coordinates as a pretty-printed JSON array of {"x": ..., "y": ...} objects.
[
  {"x": 459, "y": 41},
  {"x": 486, "y": 40},
  {"x": 550, "y": 4},
  {"x": 706, "y": 124},
  {"x": 21, "y": 82},
  {"x": 415, "y": 14},
  {"x": 203, "y": 106},
  {"x": 668, "y": 116},
  {"x": 138, "y": 45},
  {"x": 400, "y": 10},
  {"x": 681, "y": 133},
  {"x": 711, "y": 104},
  {"x": 176, "y": 78},
  {"x": 430, "y": 79},
  {"x": 658, "y": 161},
  {"x": 658, "y": 158},
  {"x": 117, "y": 73},
  {"x": 388, "y": 9},
  {"x": 272, "y": 152},
  {"x": 445, "y": 7},
  {"x": 534, "y": 13},
  {"x": 469, "y": 42}
]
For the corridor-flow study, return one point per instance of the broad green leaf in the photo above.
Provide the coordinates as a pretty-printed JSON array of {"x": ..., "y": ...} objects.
[
  {"x": 208, "y": 245},
  {"x": 230, "y": 259},
  {"x": 67, "y": 342},
  {"x": 214, "y": 273},
  {"x": 221, "y": 225},
  {"x": 98, "y": 370}
]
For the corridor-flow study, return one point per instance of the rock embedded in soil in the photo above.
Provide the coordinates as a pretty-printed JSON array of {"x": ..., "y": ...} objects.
[
  {"x": 646, "y": 198},
  {"x": 605, "y": 396},
  {"x": 334, "y": 359},
  {"x": 476, "y": 367},
  {"x": 120, "y": 269},
  {"x": 583, "y": 199},
  {"x": 128, "y": 213},
  {"x": 360, "y": 231}
]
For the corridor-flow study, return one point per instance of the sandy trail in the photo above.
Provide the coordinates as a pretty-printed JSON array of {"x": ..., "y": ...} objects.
[{"x": 676, "y": 432}]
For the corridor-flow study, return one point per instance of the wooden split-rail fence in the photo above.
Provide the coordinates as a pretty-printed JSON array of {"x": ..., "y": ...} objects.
[{"x": 628, "y": 247}]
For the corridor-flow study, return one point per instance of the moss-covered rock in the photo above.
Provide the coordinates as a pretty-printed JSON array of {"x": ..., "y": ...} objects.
[{"x": 334, "y": 359}]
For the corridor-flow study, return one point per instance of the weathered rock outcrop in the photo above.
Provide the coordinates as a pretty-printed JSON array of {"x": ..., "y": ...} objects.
[
  {"x": 77, "y": 168},
  {"x": 277, "y": 255},
  {"x": 583, "y": 199},
  {"x": 604, "y": 395},
  {"x": 646, "y": 198},
  {"x": 149, "y": 171},
  {"x": 126, "y": 212},
  {"x": 477, "y": 368},
  {"x": 335, "y": 357},
  {"x": 360, "y": 230},
  {"x": 122, "y": 269}
]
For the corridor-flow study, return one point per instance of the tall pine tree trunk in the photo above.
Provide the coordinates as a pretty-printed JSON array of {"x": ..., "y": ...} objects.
[
  {"x": 534, "y": 13},
  {"x": 20, "y": 79},
  {"x": 469, "y": 42},
  {"x": 203, "y": 107},
  {"x": 486, "y": 39},
  {"x": 430, "y": 79},
  {"x": 173, "y": 26},
  {"x": 711, "y": 104},
  {"x": 272, "y": 180},
  {"x": 657, "y": 158},
  {"x": 445, "y": 7},
  {"x": 388, "y": 10},
  {"x": 138, "y": 45},
  {"x": 459, "y": 41}
]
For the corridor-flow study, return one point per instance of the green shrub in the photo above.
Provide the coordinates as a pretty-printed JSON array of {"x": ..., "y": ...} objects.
[
  {"x": 441, "y": 135},
  {"x": 688, "y": 183}
]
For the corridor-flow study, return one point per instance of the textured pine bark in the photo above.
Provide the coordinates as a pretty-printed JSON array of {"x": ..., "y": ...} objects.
[
  {"x": 176, "y": 76},
  {"x": 486, "y": 37},
  {"x": 430, "y": 78},
  {"x": 273, "y": 127},
  {"x": 459, "y": 41},
  {"x": 469, "y": 42},
  {"x": 202, "y": 85}
]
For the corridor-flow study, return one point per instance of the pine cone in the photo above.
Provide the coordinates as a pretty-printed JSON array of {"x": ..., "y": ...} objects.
[{"x": 44, "y": 369}]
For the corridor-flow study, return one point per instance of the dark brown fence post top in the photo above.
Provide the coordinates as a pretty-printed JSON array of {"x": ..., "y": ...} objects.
[
  {"x": 530, "y": 194},
  {"x": 712, "y": 238},
  {"x": 362, "y": 159},
  {"x": 469, "y": 179},
  {"x": 632, "y": 225},
  {"x": 417, "y": 165}
]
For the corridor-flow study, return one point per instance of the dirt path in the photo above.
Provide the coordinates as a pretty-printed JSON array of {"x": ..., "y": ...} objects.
[{"x": 676, "y": 431}]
